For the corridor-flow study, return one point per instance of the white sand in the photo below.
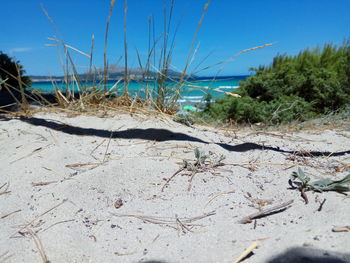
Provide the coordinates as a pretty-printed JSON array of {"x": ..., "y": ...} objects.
[{"x": 85, "y": 228}]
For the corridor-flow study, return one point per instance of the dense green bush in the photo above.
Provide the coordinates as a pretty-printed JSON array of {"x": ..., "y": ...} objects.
[
  {"x": 8, "y": 70},
  {"x": 298, "y": 87},
  {"x": 246, "y": 109},
  {"x": 11, "y": 79}
]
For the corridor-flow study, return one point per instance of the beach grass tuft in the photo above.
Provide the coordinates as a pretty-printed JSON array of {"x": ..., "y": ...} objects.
[{"x": 161, "y": 94}]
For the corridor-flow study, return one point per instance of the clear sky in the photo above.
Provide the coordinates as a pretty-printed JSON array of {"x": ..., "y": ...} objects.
[{"x": 228, "y": 27}]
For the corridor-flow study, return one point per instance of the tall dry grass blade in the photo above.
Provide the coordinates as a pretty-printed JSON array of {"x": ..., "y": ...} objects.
[
  {"x": 149, "y": 45},
  {"x": 194, "y": 40},
  {"x": 195, "y": 70},
  {"x": 164, "y": 61},
  {"x": 24, "y": 104},
  {"x": 65, "y": 69},
  {"x": 90, "y": 64},
  {"x": 105, "y": 64},
  {"x": 67, "y": 55},
  {"x": 230, "y": 59},
  {"x": 126, "y": 77},
  {"x": 7, "y": 87},
  {"x": 77, "y": 50},
  {"x": 154, "y": 40}
]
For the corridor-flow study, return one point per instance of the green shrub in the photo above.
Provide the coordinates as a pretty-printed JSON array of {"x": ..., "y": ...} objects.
[
  {"x": 12, "y": 82},
  {"x": 247, "y": 109},
  {"x": 319, "y": 76},
  {"x": 8, "y": 70},
  {"x": 314, "y": 82}
]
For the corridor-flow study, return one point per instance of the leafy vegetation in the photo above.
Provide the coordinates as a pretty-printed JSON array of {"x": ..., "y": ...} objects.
[
  {"x": 313, "y": 83},
  {"x": 12, "y": 81},
  {"x": 12, "y": 71},
  {"x": 302, "y": 181}
]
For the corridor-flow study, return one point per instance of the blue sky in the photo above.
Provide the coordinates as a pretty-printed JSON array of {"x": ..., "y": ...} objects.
[{"x": 229, "y": 27}]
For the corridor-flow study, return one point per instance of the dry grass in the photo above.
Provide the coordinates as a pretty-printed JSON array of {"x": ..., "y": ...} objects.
[
  {"x": 97, "y": 98},
  {"x": 183, "y": 225}
]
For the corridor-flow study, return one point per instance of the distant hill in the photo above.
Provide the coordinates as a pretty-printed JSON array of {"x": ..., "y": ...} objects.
[{"x": 115, "y": 72}]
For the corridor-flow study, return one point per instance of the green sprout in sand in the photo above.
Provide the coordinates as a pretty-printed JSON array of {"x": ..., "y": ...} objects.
[{"x": 302, "y": 182}]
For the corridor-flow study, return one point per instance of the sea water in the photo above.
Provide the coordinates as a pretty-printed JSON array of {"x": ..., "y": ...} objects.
[{"x": 193, "y": 92}]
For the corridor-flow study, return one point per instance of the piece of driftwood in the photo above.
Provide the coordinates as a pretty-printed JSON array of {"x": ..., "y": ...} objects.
[
  {"x": 341, "y": 228},
  {"x": 246, "y": 252},
  {"x": 265, "y": 212}
]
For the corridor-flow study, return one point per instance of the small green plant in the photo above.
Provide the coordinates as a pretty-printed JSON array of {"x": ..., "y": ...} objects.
[
  {"x": 302, "y": 182},
  {"x": 185, "y": 119},
  {"x": 197, "y": 166},
  {"x": 200, "y": 156}
]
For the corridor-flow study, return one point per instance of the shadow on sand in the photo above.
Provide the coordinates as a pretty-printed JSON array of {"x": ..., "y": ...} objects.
[
  {"x": 310, "y": 255},
  {"x": 162, "y": 135}
]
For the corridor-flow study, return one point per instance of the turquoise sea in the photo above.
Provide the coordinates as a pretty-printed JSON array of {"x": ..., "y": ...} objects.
[{"x": 189, "y": 95}]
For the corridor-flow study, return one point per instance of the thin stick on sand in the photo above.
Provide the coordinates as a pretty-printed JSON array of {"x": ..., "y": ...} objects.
[
  {"x": 5, "y": 256},
  {"x": 246, "y": 252},
  {"x": 39, "y": 245},
  {"x": 6, "y": 185},
  {"x": 217, "y": 195},
  {"x": 176, "y": 223},
  {"x": 265, "y": 212},
  {"x": 171, "y": 177},
  {"x": 109, "y": 141},
  {"x": 4, "y": 216},
  {"x": 41, "y": 215}
]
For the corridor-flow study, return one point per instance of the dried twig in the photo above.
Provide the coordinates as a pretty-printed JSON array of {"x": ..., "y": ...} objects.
[
  {"x": 52, "y": 170},
  {"x": 171, "y": 177},
  {"x": 246, "y": 252},
  {"x": 265, "y": 212},
  {"x": 34, "y": 151},
  {"x": 43, "y": 183},
  {"x": 182, "y": 226},
  {"x": 125, "y": 254},
  {"x": 96, "y": 149},
  {"x": 57, "y": 223},
  {"x": 41, "y": 215},
  {"x": 6, "y": 185},
  {"x": 303, "y": 195},
  {"x": 39, "y": 245},
  {"x": 191, "y": 179},
  {"x": 217, "y": 195},
  {"x": 321, "y": 205},
  {"x": 4, "y": 216},
  {"x": 109, "y": 141},
  {"x": 5, "y": 256},
  {"x": 184, "y": 223},
  {"x": 75, "y": 165},
  {"x": 260, "y": 163},
  {"x": 341, "y": 228}
]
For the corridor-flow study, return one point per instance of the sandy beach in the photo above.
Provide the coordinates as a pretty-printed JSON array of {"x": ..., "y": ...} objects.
[{"x": 115, "y": 189}]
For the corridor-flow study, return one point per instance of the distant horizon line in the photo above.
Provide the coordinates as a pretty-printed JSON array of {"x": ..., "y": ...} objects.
[
  {"x": 204, "y": 76},
  {"x": 47, "y": 79}
]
